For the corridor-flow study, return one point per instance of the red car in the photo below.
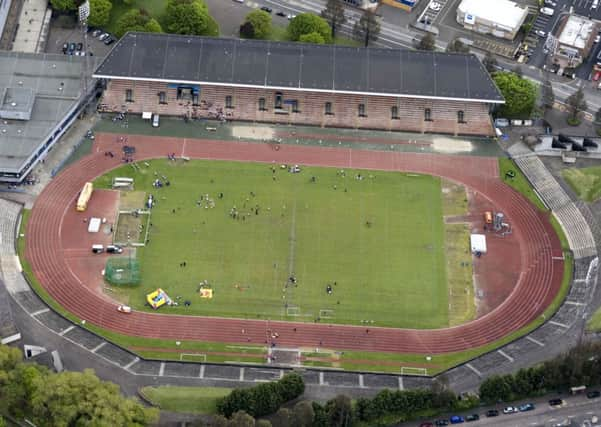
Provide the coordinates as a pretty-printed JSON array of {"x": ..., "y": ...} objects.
[{"x": 597, "y": 76}]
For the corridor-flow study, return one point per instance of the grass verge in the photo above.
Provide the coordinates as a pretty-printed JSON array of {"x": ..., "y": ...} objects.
[
  {"x": 594, "y": 325},
  {"x": 585, "y": 182},
  {"x": 192, "y": 400}
]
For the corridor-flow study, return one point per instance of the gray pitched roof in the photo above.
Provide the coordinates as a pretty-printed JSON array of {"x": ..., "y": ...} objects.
[{"x": 299, "y": 66}]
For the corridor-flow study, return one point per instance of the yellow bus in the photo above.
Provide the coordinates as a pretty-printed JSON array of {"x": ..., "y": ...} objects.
[{"x": 84, "y": 196}]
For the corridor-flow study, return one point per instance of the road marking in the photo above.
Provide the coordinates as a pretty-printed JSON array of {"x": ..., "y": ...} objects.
[
  {"x": 241, "y": 374},
  {"x": 505, "y": 355},
  {"x": 42, "y": 311},
  {"x": 529, "y": 338},
  {"x": 553, "y": 322},
  {"x": 64, "y": 331},
  {"x": 202, "y": 371},
  {"x": 162, "y": 369},
  {"x": 361, "y": 385},
  {"x": 281, "y": 373},
  {"x": 477, "y": 372},
  {"x": 401, "y": 385},
  {"x": 98, "y": 347},
  {"x": 574, "y": 303},
  {"x": 130, "y": 364},
  {"x": 559, "y": 258},
  {"x": 321, "y": 382}
]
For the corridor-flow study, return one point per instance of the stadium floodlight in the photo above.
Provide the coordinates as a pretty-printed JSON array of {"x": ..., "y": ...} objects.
[{"x": 84, "y": 11}]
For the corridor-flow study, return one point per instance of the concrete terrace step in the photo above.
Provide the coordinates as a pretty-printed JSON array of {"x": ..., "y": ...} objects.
[{"x": 9, "y": 213}]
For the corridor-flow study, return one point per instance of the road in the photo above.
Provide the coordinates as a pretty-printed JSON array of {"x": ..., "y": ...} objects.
[
  {"x": 576, "y": 411},
  {"x": 393, "y": 35}
]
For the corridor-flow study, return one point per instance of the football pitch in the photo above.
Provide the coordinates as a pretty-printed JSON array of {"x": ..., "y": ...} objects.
[{"x": 318, "y": 245}]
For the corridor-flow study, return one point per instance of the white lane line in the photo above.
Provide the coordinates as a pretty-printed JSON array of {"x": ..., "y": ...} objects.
[
  {"x": 535, "y": 341},
  {"x": 505, "y": 355},
  {"x": 42, "y": 311},
  {"x": 401, "y": 385},
  {"x": 477, "y": 372},
  {"x": 130, "y": 364},
  {"x": 64, "y": 331},
  {"x": 553, "y": 322},
  {"x": 99, "y": 346},
  {"x": 162, "y": 369}
]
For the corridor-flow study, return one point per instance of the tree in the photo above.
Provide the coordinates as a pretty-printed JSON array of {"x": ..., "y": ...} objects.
[
  {"x": 314, "y": 38},
  {"x": 263, "y": 423},
  {"x": 261, "y": 23},
  {"x": 490, "y": 62},
  {"x": 63, "y": 5},
  {"x": 339, "y": 411},
  {"x": 189, "y": 17},
  {"x": 547, "y": 95},
  {"x": 241, "y": 419},
  {"x": 576, "y": 103},
  {"x": 334, "y": 15},
  {"x": 247, "y": 30},
  {"x": 520, "y": 95},
  {"x": 281, "y": 418},
  {"x": 458, "y": 46},
  {"x": 427, "y": 42},
  {"x": 307, "y": 23},
  {"x": 367, "y": 29},
  {"x": 136, "y": 20},
  {"x": 100, "y": 11},
  {"x": 303, "y": 414},
  {"x": 291, "y": 386}
]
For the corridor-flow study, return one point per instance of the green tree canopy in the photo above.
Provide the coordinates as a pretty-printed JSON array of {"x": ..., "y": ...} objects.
[
  {"x": 367, "y": 28},
  {"x": 458, "y": 46},
  {"x": 100, "y": 11},
  {"x": 576, "y": 103},
  {"x": 520, "y": 95},
  {"x": 261, "y": 23},
  {"x": 63, "y": 5},
  {"x": 136, "y": 20},
  {"x": 307, "y": 23},
  {"x": 490, "y": 62},
  {"x": 427, "y": 42},
  {"x": 547, "y": 95},
  {"x": 334, "y": 15},
  {"x": 189, "y": 17},
  {"x": 312, "y": 38}
]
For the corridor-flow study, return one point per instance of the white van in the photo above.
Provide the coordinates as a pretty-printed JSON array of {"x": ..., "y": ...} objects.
[
  {"x": 97, "y": 249},
  {"x": 595, "y": 4},
  {"x": 155, "y": 121}
]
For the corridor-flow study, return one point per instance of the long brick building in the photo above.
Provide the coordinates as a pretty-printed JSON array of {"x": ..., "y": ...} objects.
[{"x": 296, "y": 83}]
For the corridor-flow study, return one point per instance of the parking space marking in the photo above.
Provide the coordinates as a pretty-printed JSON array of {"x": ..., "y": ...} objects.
[
  {"x": 42, "y": 311},
  {"x": 563, "y": 325},
  {"x": 64, "y": 331},
  {"x": 537, "y": 342},
  {"x": 162, "y": 369},
  {"x": 574, "y": 303},
  {"x": 132, "y": 363},
  {"x": 505, "y": 355},
  {"x": 361, "y": 385},
  {"x": 202, "y": 372},
  {"x": 99, "y": 346},
  {"x": 477, "y": 372},
  {"x": 401, "y": 385},
  {"x": 241, "y": 374}
]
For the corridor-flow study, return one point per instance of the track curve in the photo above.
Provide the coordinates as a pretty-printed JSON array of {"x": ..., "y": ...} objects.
[{"x": 539, "y": 281}]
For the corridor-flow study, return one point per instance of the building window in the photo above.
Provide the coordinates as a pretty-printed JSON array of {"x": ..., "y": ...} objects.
[
  {"x": 278, "y": 100},
  {"x": 262, "y": 104},
  {"x": 195, "y": 100},
  {"x": 394, "y": 112},
  {"x": 361, "y": 110},
  {"x": 162, "y": 98},
  {"x": 328, "y": 109},
  {"x": 428, "y": 115},
  {"x": 460, "y": 117},
  {"x": 228, "y": 102},
  {"x": 129, "y": 95},
  {"x": 294, "y": 104}
]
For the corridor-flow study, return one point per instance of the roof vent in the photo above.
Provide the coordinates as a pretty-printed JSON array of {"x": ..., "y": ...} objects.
[
  {"x": 3, "y": 130},
  {"x": 53, "y": 65},
  {"x": 13, "y": 104},
  {"x": 19, "y": 131},
  {"x": 20, "y": 82}
]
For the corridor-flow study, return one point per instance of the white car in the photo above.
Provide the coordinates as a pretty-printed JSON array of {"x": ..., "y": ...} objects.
[
  {"x": 290, "y": 17},
  {"x": 510, "y": 410},
  {"x": 547, "y": 11},
  {"x": 598, "y": 38},
  {"x": 239, "y": 1},
  {"x": 540, "y": 33},
  {"x": 435, "y": 6}
]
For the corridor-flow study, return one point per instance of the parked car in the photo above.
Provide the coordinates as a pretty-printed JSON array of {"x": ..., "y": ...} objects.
[
  {"x": 96, "y": 33},
  {"x": 457, "y": 419},
  {"x": 155, "y": 121},
  {"x": 426, "y": 424},
  {"x": 540, "y": 33},
  {"x": 290, "y": 17},
  {"x": 79, "y": 46},
  {"x": 501, "y": 123},
  {"x": 65, "y": 47},
  {"x": 593, "y": 394},
  {"x": 239, "y": 1},
  {"x": 109, "y": 40},
  {"x": 441, "y": 422},
  {"x": 555, "y": 402},
  {"x": 266, "y": 9},
  {"x": 526, "y": 407},
  {"x": 114, "y": 249},
  {"x": 492, "y": 413},
  {"x": 550, "y": 3},
  {"x": 547, "y": 11},
  {"x": 472, "y": 417},
  {"x": 510, "y": 410},
  {"x": 72, "y": 47},
  {"x": 597, "y": 38},
  {"x": 280, "y": 13},
  {"x": 103, "y": 36}
]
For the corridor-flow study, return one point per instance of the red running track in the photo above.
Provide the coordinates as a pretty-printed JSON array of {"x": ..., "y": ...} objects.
[{"x": 539, "y": 281}]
